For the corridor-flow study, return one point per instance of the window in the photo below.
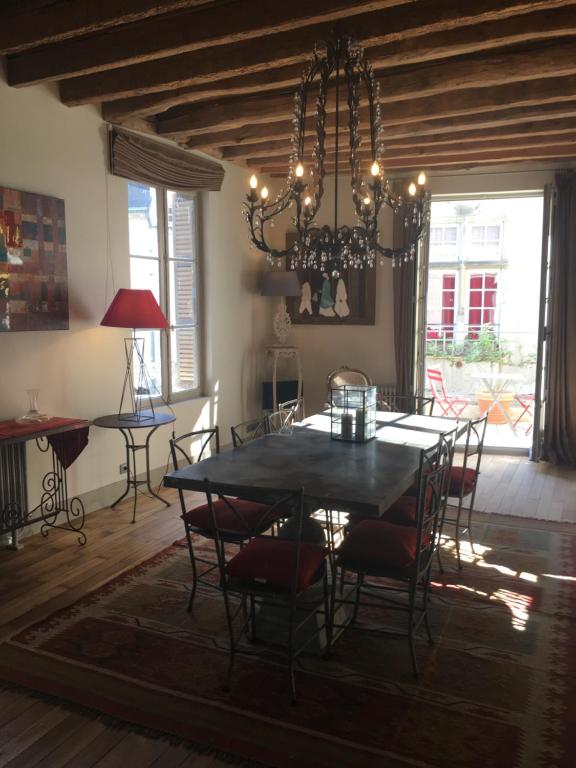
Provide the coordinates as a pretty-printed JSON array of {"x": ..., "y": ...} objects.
[
  {"x": 164, "y": 257},
  {"x": 444, "y": 242},
  {"x": 482, "y": 301},
  {"x": 441, "y": 306},
  {"x": 486, "y": 236}
]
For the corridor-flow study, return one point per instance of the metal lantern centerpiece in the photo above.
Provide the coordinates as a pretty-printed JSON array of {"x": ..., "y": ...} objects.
[
  {"x": 335, "y": 64},
  {"x": 353, "y": 413}
]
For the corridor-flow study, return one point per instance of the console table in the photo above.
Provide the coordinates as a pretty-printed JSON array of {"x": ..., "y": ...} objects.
[
  {"x": 278, "y": 351},
  {"x": 66, "y": 439},
  {"x": 125, "y": 424}
]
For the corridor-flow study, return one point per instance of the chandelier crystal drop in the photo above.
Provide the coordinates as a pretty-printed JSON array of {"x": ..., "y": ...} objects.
[{"x": 335, "y": 64}]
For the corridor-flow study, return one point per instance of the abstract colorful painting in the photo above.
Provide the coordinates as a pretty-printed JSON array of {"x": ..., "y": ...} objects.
[{"x": 33, "y": 267}]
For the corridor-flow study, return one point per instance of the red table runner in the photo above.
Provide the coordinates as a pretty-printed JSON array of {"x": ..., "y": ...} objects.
[{"x": 67, "y": 437}]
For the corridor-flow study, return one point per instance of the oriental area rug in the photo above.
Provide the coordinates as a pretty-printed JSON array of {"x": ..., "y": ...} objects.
[{"x": 496, "y": 690}]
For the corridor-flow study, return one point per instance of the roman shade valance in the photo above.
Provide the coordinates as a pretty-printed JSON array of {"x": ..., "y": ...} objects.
[{"x": 150, "y": 162}]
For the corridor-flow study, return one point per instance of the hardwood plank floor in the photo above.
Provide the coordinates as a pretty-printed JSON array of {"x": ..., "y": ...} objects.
[{"x": 50, "y": 573}]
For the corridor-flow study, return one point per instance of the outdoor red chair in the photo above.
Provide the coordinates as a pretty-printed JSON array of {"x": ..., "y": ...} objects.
[
  {"x": 527, "y": 404},
  {"x": 450, "y": 406}
]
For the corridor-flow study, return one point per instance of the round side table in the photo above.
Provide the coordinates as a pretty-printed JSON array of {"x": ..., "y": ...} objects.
[{"x": 126, "y": 424}]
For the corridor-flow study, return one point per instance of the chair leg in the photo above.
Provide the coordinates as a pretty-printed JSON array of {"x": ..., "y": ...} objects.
[
  {"x": 253, "y": 635},
  {"x": 290, "y": 651},
  {"x": 359, "y": 583},
  {"x": 327, "y": 615},
  {"x": 412, "y": 601},
  {"x": 425, "y": 601},
  {"x": 470, "y": 512},
  {"x": 194, "y": 571},
  {"x": 232, "y": 649},
  {"x": 457, "y": 533}
]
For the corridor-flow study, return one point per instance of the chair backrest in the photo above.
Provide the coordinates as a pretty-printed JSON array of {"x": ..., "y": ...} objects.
[
  {"x": 436, "y": 379},
  {"x": 474, "y": 445},
  {"x": 432, "y": 481},
  {"x": 344, "y": 375},
  {"x": 249, "y": 430},
  {"x": 294, "y": 407},
  {"x": 191, "y": 447},
  {"x": 278, "y": 500},
  {"x": 417, "y": 404}
]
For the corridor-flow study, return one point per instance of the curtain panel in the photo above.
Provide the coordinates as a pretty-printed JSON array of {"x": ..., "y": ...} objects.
[
  {"x": 560, "y": 427},
  {"x": 150, "y": 162},
  {"x": 404, "y": 278}
]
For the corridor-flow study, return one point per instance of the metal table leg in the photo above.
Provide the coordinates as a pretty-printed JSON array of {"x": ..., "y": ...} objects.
[{"x": 131, "y": 474}]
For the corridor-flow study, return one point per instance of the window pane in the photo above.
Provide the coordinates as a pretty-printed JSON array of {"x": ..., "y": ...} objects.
[
  {"x": 478, "y": 235},
  {"x": 449, "y": 281},
  {"x": 142, "y": 220},
  {"x": 153, "y": 361},
  {"x": 145, "y": 273},
  {"x": 493, "y": 234},
  {"x": 183, "y": 298},
  {"x": 184, "y": 354},
  {"x": 450, "y": 235},
  {"x": 475, "y": 282},
  {"x": 435, "y": 235},
  {"x": 182, "y": 236}
]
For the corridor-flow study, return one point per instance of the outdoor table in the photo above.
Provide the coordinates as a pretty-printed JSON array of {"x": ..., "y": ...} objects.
[{"x": 498, "y": 384}]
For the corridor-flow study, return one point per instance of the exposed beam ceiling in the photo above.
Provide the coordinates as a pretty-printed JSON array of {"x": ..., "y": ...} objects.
[{"x": 462, "y": 84}]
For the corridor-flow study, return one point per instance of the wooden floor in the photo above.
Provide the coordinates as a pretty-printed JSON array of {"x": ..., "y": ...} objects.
[{"x": 47, "y": 574}]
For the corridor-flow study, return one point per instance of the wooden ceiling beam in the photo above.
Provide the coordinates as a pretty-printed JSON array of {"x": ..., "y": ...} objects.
[
  {"x": 287, "y": 48},
  {"x": 554, "y": 152},
  {"x": 476, "y": 80},
  {"x": 27, "y": 27},
  {"x": 447, "y": 44},
  {"x": 531, "y": 133},
  {"x": 421, "y": 152},
  {"x": 503, "y": 118},
  {"x": 188, "y": 31}
]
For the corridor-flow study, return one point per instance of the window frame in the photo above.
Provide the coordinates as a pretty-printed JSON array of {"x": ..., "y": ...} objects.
[{"x": 162, "y": 233}]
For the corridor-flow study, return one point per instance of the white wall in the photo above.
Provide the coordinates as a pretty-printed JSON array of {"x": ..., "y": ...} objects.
[{"x": 48, "y": 148}]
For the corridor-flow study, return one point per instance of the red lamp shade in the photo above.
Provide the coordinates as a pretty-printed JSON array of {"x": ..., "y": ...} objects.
[{"x": 134, "y": 308}]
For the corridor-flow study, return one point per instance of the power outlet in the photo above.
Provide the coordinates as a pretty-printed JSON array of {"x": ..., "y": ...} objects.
[{"x": 123, "y": 469}]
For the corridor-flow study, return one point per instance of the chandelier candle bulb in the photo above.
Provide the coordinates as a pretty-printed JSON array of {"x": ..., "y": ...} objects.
[
  {"x": 412, "y": 189},
  {"x": 422, "y": 178},
  {"x": 264, "y": 193},
  {"x": 299, "y": 171},
  {"x": 375, "y": 168},
  {"x": 253, "y": 181}
]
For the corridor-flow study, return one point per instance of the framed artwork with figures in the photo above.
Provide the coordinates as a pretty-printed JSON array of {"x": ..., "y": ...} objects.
[{"x": 333, "y": 296}]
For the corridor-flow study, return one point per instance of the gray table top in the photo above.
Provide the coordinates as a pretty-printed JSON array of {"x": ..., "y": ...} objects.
[{"x": 362, "y": 478}]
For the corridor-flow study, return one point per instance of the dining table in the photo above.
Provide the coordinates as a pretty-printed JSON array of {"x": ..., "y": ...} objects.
[{"x": 361, "y": 478}]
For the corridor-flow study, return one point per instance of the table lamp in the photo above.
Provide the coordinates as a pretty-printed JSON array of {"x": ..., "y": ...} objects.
[
  {"x": 281, "y": 283},
  {"x": 136, "y": 309}
]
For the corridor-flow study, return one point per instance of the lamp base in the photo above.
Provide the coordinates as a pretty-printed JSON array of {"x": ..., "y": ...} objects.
[
  {"x": 282, "y": 323},
  {"x": 136, "y": 397}
]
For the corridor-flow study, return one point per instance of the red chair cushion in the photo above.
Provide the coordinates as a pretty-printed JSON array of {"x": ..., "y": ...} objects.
[
  {"x": 272, "y": 561},
  {"x": 377, "y": 545},
  {"x": 470, "y": 477},
  {"x": 252, "y": 512},
  {"x": 402, "y": 512}
]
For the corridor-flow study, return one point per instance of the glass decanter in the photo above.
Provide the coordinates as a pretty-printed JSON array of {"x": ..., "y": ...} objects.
[{"x": 33, "y": 414}]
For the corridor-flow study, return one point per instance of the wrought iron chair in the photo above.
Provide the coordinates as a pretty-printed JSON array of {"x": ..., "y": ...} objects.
[
  {"x": 463, "y": 481},
  {"x": 526, "y": 402},
  {"x": 344, "y": 375},
  {"x": 274, "y": 570},
  {"x": 198, "y": 520},
  {"x": 450, "y": 406},
  {"x": 400, "y": 554},
  {"x": 249, "y": 430},
  {"x": 418, "y": 404},
  {"x": 295, "y": 407}
]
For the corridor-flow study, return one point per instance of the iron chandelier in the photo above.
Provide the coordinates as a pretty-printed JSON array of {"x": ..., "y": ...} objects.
[{"x": 357, "y": 245}]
